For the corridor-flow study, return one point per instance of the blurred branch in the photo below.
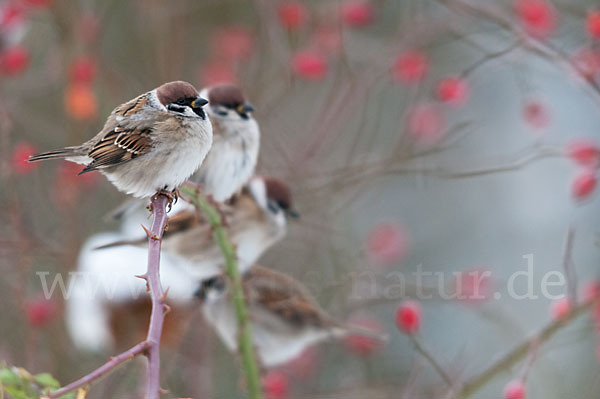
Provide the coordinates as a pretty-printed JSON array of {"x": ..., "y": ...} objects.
[
  {"x": 245, "y": 345},
  {"x": 515, "y": 355},
  {"x": 151, "y": 346},
  {"x": 569, "y": 266},
  {"x": 431, "y": 359}
]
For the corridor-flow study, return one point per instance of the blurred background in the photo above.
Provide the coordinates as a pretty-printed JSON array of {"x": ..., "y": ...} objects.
[{"x": 444, "y": 136}]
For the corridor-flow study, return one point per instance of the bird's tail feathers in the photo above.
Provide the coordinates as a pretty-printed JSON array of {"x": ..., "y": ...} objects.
[{"x": 55, "y": 154}]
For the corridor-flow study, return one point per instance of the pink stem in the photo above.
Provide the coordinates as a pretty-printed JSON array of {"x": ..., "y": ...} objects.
[
  {"x": 100, "y": 371},
  {"x": 158, "y": 298},
  {"x": 151, "y": 346}
]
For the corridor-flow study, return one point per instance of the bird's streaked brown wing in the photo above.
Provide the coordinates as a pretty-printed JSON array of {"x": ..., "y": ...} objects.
[{"x": 283, "y": 296}]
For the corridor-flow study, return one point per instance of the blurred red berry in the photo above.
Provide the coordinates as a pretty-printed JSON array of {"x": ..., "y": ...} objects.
[
  {"x": 474, "y": 286},
  {"x": 514, "y": 390},
  {"x": 408, "y": 317},
  {"x": 292, "y": 15},
  {"x": 83, "y": 70},
  {"x": 38, "y": 3},
  {"x": 40, "y": 312},
  {"x": 592, "y": 24},
  {"x": 14, "y": 60},
  {"x": 584, "y": 152},
  {"x": 426, "y": 123},
  {"x": 537, "y": 17},
  {"x": 536, "y": 114},
  {"x": 233, "y": 43},
  {"x": 216, "y": 72},
  {"x": 359, "y": 344},
  {"x": 20, "y": 154},
  {"x": 410, "y": 67},
  {"x": 309, "y": 65},
  {"x": 80, "y": 102},
  {"x": 591, "y": 290},
  {"x": 560, "y": 309},
  {"x": 453, "y": 91},
  {"x": 304, "y": 365},
  {"x": 12, "y": 16},
  {"x": 584, "y": 185},
  {"x": 275, "y": 385},
  {"x": 387, "y": 244},
  {"x": 357, "y": 13}
]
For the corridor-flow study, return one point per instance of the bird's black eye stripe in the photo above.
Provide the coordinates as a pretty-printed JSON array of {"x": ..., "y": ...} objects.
[
  {"x": 273, "y": 206},
  {"x": 282, "y": 205},
  {"x": 176, "y": 108}
]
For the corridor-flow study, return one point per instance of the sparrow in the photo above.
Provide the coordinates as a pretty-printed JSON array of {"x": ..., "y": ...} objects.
[
  {"x": 149, "y": 144},
  {"x": 256, "y": 219},
  {"x": 232, "y": 159},
  {"x": 285, "y": 319}
]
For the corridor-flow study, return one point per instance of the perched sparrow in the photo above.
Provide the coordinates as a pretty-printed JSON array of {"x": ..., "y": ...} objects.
[
  {"x": 232, "y": 159},
  {"x": 151, "y": 143},
  {"x": 285, "y": 318},
  {"x": 256, "y": 219}
]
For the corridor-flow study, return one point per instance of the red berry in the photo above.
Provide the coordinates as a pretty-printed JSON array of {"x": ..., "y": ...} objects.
[
  {"x": 592, "y": 24},
  {"x": 426, "y": 123},
  {"x": 536, "y": 114},
  {"x": 408, "y": 317},
  {"x": 584, "y": 152},
  {"x": 584, "y": 185},
  {"x": 591, "y": 290},
  {"x": 309, "y": 65},
  {"x": 12, "y": 16},
  {"x": 560, "y": 309},
  {"x": 20, "y": 154},
  {"x": 83, "y": 70},
  {"x": 14, "y": 61},
  {"x": 514, "y": 390},
  {"x": 80, "y": 102},
  {"x": 537, "y": 17},
  {"x": 292, "y": 15},
  {"x": 275, "y": 385},
  {"x": 233, "y": 43},
  {"x": 387, "y": 244},
  {"x": 40, "y": 312},
  {"x": 360, "y": 344},
  {"x": 357, "y": 13},
  {"x": 410, "y": 67},
  {"x": 453, "y": 91}
]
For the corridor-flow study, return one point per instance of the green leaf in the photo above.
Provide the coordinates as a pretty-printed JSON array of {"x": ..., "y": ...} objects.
[
  {"x": 46, "y": 380},
  {"x": 9, "y": 377}
]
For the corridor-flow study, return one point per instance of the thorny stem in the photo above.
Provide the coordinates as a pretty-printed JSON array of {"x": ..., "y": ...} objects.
[
  {"x": 245, "y": 336},
  {"x": 151, "y": 346},
  {"x": 515, "y": 355}
]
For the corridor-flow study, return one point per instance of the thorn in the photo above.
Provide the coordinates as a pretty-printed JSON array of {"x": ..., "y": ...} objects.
[
  {"x": 167, "y": 308},
  {"x": 163, "y": 391},
  {"x": 163, "y": 298},
  {"x": 142, "y": 276},
  {"x": 155, "y": 237},
  {"x": 148, "y": 232}
]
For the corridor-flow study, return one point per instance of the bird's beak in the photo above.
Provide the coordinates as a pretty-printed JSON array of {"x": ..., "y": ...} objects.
[
  {"x": 244, "y": 108},
  {"x": 199, "y": 103},
  {"x": 293, "y": 214}
]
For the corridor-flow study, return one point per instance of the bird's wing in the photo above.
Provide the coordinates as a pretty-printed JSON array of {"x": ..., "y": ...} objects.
[
  {"x": 125, "y": 136},
  {"x": 283, "y": 296}
]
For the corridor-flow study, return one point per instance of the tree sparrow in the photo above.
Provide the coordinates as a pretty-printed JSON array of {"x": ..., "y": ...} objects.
[
  {"x": 285, "y": 318},
  {"x": 256, "y": 219},
  {"x": 151, "y": 143},
  {"x": 234, "y": 153}
]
